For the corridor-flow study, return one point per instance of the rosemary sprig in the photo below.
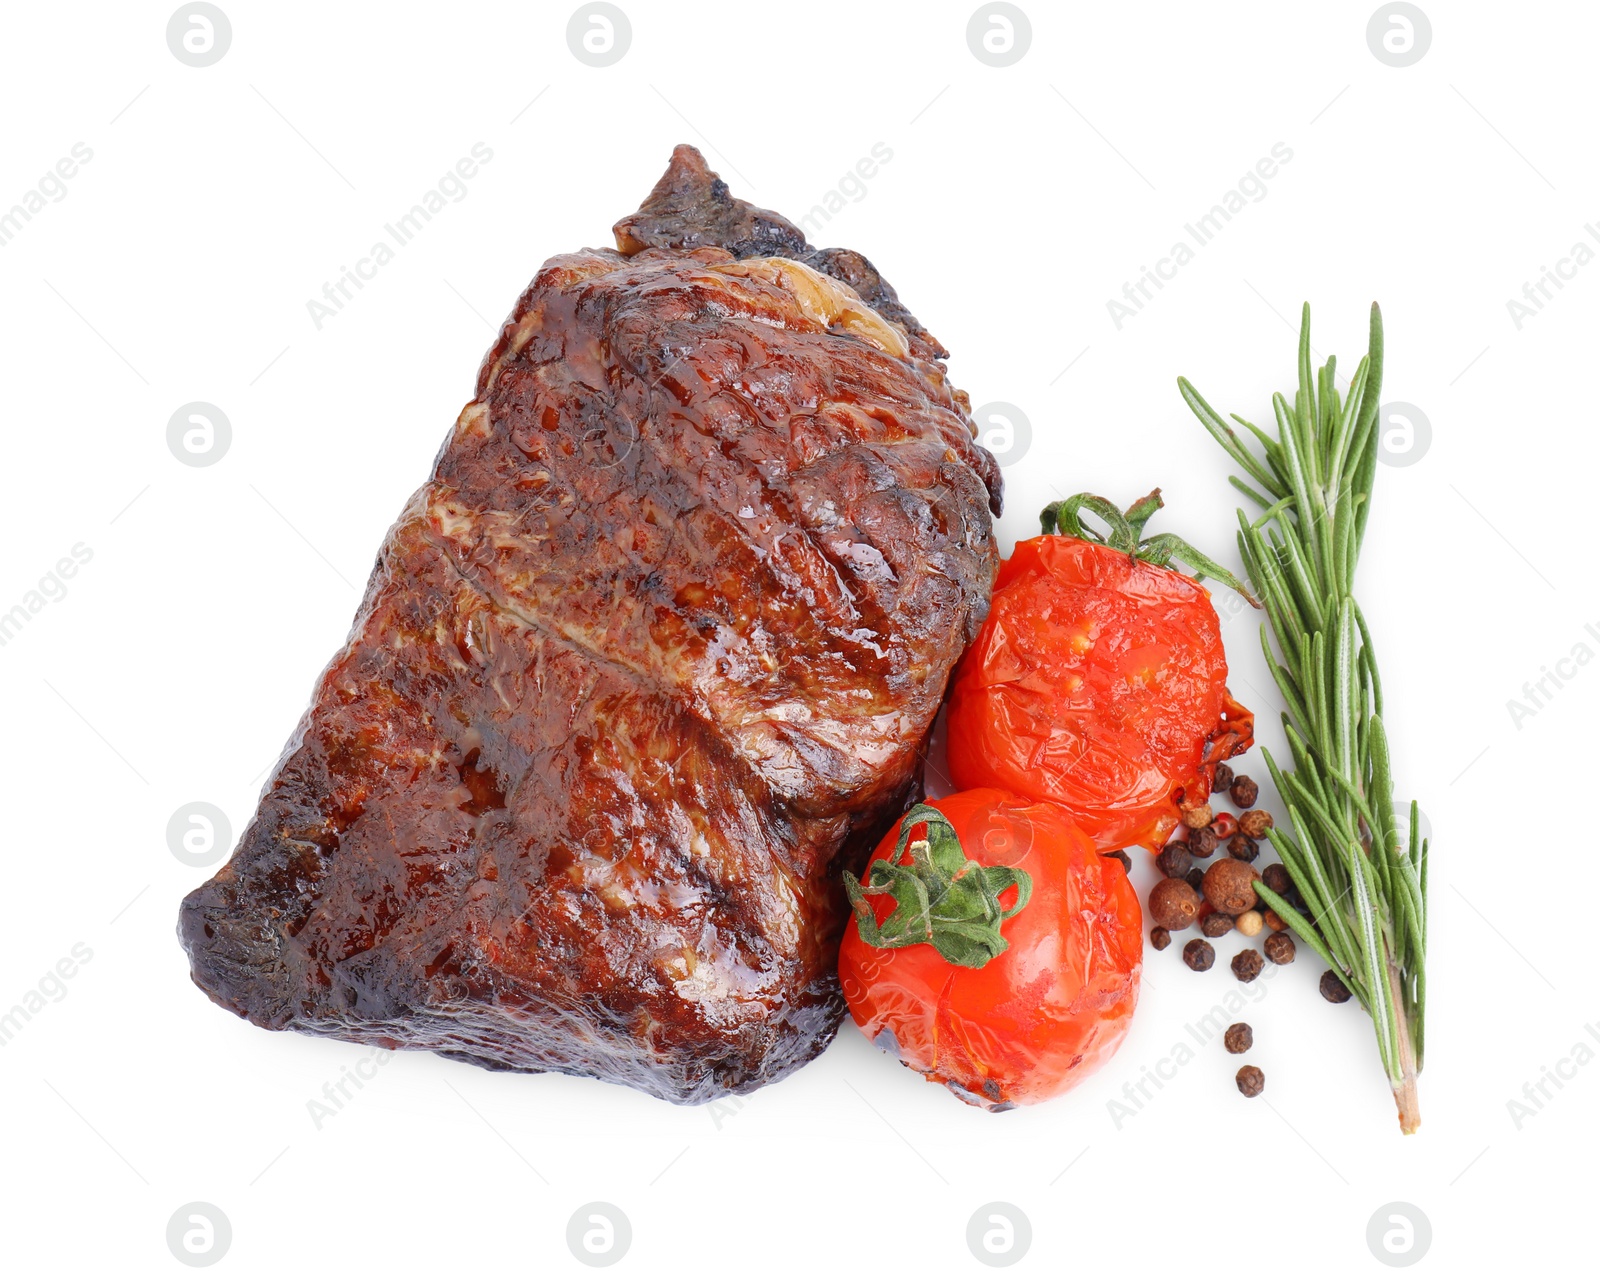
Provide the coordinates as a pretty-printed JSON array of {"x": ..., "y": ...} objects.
[{"x": 1365, "y": 888}]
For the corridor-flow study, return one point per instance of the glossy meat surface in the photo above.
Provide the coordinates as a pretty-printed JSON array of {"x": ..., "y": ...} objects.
[{"x": 649, "y": 659}]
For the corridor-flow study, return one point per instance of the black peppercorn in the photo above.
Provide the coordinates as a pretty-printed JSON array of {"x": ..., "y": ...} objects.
[
  {"x": 1238, "y": 1038},
  {"x": 1244, "y": 792},
  {"x": 1215, "y": 925},
  {"x": 1175, "y": 861},
  {"x": 1333, "y": 988},
  {"x": 1276, "y": 877},
  {"x": 1255, "y": 823},
  {"x": 1198, "y": 955},
  {"x": 1125, "y": 860},
  {"x": 1280, "y": 947},
  {"x": 1243, "y": 848},
  {"x": 1250, "y": 1080},
  {"x": 1195, "y": 878},
  {"x": 1202, "y": 842},
  {"x": 1222, "y": 780},
  {"x": 1247, "y": 965},
  {"x": 1160, "y": 937}
]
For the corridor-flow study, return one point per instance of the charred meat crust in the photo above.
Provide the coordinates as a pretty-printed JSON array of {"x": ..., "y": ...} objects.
[{"x": 651, "y": 655}]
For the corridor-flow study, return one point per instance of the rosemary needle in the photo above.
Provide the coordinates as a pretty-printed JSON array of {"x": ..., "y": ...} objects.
[{"x": 1363, "y": 884}]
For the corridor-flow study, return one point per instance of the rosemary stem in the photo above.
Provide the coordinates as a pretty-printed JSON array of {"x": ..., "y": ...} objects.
[
  {"x": 1405, "y": 1089},
  {"x": 1365, "y": 889}
]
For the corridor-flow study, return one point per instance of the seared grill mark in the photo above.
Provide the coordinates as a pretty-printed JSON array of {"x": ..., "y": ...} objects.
[{"x": 660, "y": 638}]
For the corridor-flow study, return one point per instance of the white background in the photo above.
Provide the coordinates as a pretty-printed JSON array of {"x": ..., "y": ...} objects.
[{"x": 1016, "y": 204}]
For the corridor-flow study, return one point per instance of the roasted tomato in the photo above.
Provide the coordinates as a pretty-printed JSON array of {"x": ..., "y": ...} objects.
[
  {"x": 993, "y": 949},
  {"x": 1099, "y": 680}
]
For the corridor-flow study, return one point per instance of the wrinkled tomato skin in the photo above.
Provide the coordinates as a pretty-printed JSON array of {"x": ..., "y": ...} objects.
[
  {"x": 1043, "y": 1015},
  {"x": 1095, "y": 682}
]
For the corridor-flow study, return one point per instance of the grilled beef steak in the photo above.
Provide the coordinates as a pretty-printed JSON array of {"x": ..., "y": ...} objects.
[{"x": 646, "y": 662}]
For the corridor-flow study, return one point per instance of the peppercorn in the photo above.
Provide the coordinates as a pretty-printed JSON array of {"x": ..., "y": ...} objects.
[
  {"x": 1274, "y": 923},
  {"x": 1280, "y": 947},
  {"x": 1255, "y": 823},
  {"x": 1202, "y": 842},
  {"x": 1248, "y": 923},
  {"x": 1160, "y": 937},
  {"x": 1198, "y": 955},
  {"x": 1194, "y": 878},
  {"x": 1238, "y": 1039},
  {"x": 1215, "y": 925},
  {"x": 1175, "y": 861},
  {"x": 1198, "y": 816},
  {"x": 1247, "y": 965},
  {"x": 1276, "y": 877},
  {"x": 1227, "y": 885},
  {"x": 1174, "y": 904},
  {"x": 1243, "y": 849},
  {"x": 1333, "y": 988},
  {"x": 1244, "y": 792},
  {"x": 1222, "y": 780},
  {"x": 1125, "y": 859},
  {"x": 1223, "y": 825},
  {"x": 1250, "y": 1080}
]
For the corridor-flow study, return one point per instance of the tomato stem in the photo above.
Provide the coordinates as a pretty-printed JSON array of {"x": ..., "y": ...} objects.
[
  {"x": 1123, "y": 530},
  {"x": 941, "y": 898}
]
